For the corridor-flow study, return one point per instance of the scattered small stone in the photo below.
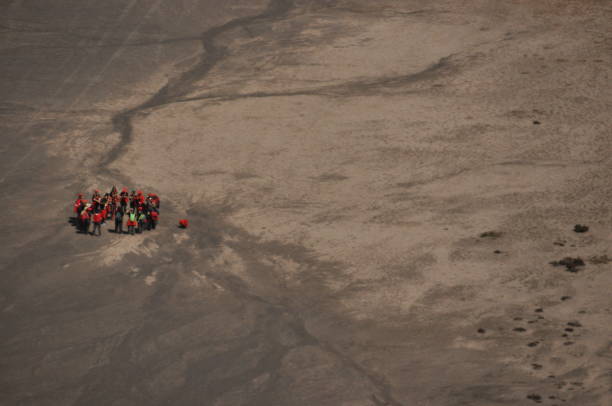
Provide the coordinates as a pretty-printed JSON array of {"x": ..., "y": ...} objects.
[
  {"x": 541, "y": 317},
  {"x": 568, "y": 343},
  {"x": 533, "y": 344},
  {"x": 582, "y": 312},
  {"x": 570, "y": 264},
  {"x": 551, "y": 376},
  {"x": 564, "y": 335},
  {"x": 552, "y": 397},
  {"x": 539, "y": 310},
  {"x": 536, "y": 398},
  {"x": 574, "y": 324},
  {"x": 517, "y": 319},
  {"x": 559, "y": 243},
  {"x": 532, "y": 321},
  {"x": 536, "y": 366},
  {"x": 536, "y": 122},
  {"x": 569, "y": 329},
  {"x": 481, "y": 331},
  {"x": 519, "y": 329},
  {"x": 497, "y": 252},
  {"x": 491, "y": 234},
  {"x": 564, "y": 298},
  {"x": 600, "y": 259},
  {"x": 579, "y": 228}
]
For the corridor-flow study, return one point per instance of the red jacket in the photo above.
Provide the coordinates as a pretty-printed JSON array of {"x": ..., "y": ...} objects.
[
  {"x": 97, "y": 218},
  {"x": 154, "y": 215}
]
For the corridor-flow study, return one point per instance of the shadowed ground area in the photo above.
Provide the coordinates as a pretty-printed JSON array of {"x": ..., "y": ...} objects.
[{"x": 376, "y": 191}]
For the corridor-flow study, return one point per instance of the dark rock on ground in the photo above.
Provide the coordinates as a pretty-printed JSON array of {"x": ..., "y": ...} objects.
[
  {"x": 536, "y": 398},
  {"x": 570, "y": 264},
  {"x": 579, "y": 228},
  {"x": 533, "y": 344},
  {"x": 491, "y": 234}
]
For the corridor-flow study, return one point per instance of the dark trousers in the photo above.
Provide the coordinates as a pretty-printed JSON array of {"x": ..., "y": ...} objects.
[
  {"x": 97, "y": 227},
  {"x": 85, "y": 226},
  {"x": 119, "y": 226}
]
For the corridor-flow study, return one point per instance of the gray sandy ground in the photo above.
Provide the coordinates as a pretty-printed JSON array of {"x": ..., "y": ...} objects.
[{"x": 339, "y": 162}]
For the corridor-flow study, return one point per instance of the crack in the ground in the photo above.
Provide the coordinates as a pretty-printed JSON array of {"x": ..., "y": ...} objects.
[
  {"x": 175, "y": 91},
  {"x": 348, "y": 88},
  {"x": 122, "y": 122},
  {"x": 252, "y": 249},
  {"x": 297, "y": 325}
]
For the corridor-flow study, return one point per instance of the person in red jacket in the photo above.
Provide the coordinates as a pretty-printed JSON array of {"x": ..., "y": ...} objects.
[
  {"x": 77, "y": 203},
  {"x": 97, "y": 223},
  {"x": 96, "y": 199},
  {"x": 153, "y": 218},
  {"x": 84, "y": 221},
  {"x": 124, "y": 199},
  {"x": 133, "y": 200},
  {"x": 154, "y": 200}
]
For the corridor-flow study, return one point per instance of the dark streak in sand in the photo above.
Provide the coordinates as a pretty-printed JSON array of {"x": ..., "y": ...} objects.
[{"x": 122, "y": 122}]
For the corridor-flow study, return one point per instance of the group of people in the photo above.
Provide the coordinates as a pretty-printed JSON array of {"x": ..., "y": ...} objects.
[{"x": 139, "y": 211}]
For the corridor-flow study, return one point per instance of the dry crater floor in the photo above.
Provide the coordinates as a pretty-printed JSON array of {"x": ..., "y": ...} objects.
[{"x": 376, "y": 191}]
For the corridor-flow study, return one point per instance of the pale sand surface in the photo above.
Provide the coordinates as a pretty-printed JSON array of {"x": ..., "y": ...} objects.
[{"x": 338, "y": 162}]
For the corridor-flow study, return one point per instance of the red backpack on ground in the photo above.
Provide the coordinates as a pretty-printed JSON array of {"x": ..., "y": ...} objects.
[{"x": 183, "y": 223}]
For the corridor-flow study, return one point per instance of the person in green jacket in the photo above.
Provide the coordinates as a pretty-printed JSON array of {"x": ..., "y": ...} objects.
[{"x": 131, "y": 222}]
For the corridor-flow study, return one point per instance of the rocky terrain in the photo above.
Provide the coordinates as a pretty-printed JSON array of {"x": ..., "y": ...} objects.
[{"x": 387, "y": 202}]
